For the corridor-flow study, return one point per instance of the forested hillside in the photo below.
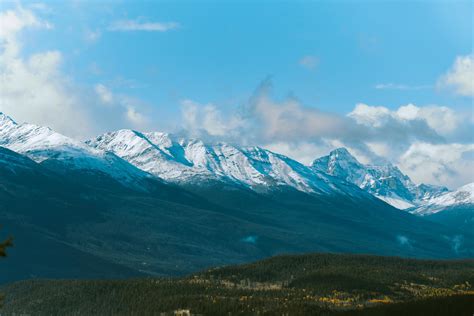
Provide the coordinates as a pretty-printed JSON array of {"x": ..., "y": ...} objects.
[{"x": 317, "y": 284}]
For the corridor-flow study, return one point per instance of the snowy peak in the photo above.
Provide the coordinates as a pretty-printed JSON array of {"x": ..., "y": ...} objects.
[
  {"x": 29, "y": 138},
  {"x": 184, "y": 160},
  {"x": 140, "y": 151},
  {"x": 43, "y": 145},
  {"x": 129, "y": 156},
  {"x": 386, "y": 182},
  {"x": 342, "y": 154},
  {"x": 5, "y": 120},
  {"x": 463, "y": 196},
  {"x": 426, "y": 192},
  {"x": 340, "y": 163}
]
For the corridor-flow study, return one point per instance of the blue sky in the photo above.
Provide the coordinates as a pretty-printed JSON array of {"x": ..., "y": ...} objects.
[
  {"x": 221, "y": 51},
  {"x": 172, "y": 65}
]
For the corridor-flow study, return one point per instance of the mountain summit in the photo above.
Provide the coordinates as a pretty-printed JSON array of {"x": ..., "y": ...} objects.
[
  {"x": 191, "y": 161},
  {"x": 62, "y": 153},
  {"x": 461, "y": 197},
  {"x": 131, "y": 203},
  {"x": 386, "y": 182},
  {"x": 129, "y": 156}
]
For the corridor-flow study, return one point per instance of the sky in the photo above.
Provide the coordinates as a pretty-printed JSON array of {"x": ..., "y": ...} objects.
[{"x": 393, "y": 81}]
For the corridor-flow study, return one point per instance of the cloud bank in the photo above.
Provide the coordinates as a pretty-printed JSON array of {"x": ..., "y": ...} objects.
[
  {"x": 460, "y": 77},
  {"x": 433, "y": 144},
  {"x": 34, "y": 88}
]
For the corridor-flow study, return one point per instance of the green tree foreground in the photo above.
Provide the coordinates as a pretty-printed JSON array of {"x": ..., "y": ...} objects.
[
  {"x": 3, "y": 253},
  {"x": 4, "y": 245}
]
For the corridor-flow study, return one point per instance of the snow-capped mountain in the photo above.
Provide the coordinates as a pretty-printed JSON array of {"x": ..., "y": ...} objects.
[
  {"x": 130, "y": 156},
  {"x": 462, "y": 197},
  {"x": 386, "y": 182},
  {"x": 45, "y": 146},
  {"x": 183, "y": 160}
]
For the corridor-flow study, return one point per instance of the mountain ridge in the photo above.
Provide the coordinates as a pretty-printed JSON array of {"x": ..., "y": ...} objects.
[
  {"x": 189, "y": 160},
  {"x": 384, "y": 181},
  {"x": 44, "y": 145},
  {"x": 462, "y": 196},
  {"x": 131, "y": 157},
  {"x": 174, "y": 228}
]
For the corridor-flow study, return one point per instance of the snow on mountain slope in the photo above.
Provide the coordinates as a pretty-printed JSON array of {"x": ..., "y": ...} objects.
[
  {"x": 395, "y": 201},
  {"x": 129, "y": 156},
  {"x": 192, "y": 161},
  {"x": 386, "y": 182},
  {"x": 463, "y": 196},
  {"x": 44, "y": 145}
]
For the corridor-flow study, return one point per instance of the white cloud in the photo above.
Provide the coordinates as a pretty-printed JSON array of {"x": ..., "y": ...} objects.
[
  {"x": 309, "y": 62},
  {"x": 14, "y": 21},
  {"x": 444, "y": 164},
  {"x": 136, "y": 25},
  {"x": 135, "y": 117},
  {"x": 379, "y": 148},
  {"x": 440, "y": 119},
  {"x": 367, "y": 115},
  {"x": 400, "y": 86},
  {"x": 104, "y": 94},
  {"x": 461, "y": 76},
  {"x": 262, "y": 120},
  {"x": 34, "y": 89},
  {"x": 289, "y": 119},
  {"x": 207, "y": 120},
  {"x": 409, "y": 136},
  {"x": 130, "y": 107},
  {"x": 425, "y": 141},
  {"x": 305, "y": 152}
]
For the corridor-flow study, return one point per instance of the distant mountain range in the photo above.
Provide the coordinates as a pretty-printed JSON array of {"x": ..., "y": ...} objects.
[
  {"x": 130, "y": 156},
  {"x": 386, "y": 182},
  {"x": 192, "y": 161},
  {"x": 460, "y": 197},
  {"x": 389, "y": 184},
  {"x": 130, "y": 203}
]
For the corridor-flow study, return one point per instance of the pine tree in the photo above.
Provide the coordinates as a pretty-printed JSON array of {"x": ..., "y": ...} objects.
[
  {"x": 3, "y": 253},
  {"x": 4, "y": 245}
]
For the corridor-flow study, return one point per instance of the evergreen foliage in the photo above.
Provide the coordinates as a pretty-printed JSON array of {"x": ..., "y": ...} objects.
[{"x": 316, "y": 284}]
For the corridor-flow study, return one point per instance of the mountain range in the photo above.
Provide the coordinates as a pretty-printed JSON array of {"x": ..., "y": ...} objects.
[
  {"x": 128, "y": 203},
  {"x": 386, "y": 182},
  {"x": 130, "y": 156}
]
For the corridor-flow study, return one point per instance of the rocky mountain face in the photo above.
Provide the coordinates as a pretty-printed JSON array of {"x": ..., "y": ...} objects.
[
  {"x": 62, "y": 153},
  {"x": 192, "y": 161},
  {"x": 133, "y": 204},
  {"x": 386, "y": 182},
  {"x": 461, "y": 197},
  {"x": 130, "y": 158}
]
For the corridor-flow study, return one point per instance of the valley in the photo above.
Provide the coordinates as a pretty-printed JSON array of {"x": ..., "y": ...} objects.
[{"x": 313, "y": 284}]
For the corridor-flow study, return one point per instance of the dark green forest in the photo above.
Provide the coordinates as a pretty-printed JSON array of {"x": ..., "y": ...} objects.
[{"x": 316, "y": 284}]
